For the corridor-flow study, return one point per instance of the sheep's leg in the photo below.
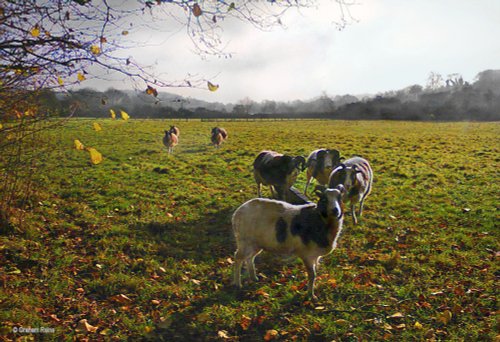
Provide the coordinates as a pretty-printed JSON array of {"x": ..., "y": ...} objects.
[
  {"x": 242, "y": 255},
  {"x": 251, "y": 266},
  {"x": 353, "y": 213},
  {"x": 258, "y": 190},
  {"x": 311, "y": 273},
  {"x": 360, "y": 212}
]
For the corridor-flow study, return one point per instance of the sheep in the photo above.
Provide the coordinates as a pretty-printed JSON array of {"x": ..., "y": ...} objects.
[
  {"x": 175, "y": 130},
  {"x": 356, "y": 175},
  {"x": 278, "y": 171},
  {"x": 320, "y": 164},
  {"x": 309, "y": 231},
  {"x": 170, "y": 140},
  {"x": 218, "y": 135}
]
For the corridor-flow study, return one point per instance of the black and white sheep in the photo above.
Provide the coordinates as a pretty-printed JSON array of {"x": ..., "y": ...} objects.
[
  {"x": 170, "y": 140},
  {"x": 309, "y": 231},
  {"x": 218, "y": 135},
  {"x": 320, "y": 164},
  {"x": 277, "y": 170},
  {"x": 356, "y": 175}
]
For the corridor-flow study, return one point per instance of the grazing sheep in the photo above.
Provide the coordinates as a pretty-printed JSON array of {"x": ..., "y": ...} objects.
[
  {"x": 278, "y": 171},
  {"x": 309, "y": 231},
  {"x": 175, "y": 130},
  {"x": 170, "y": 140},
  {"x": 320, "y": 164},
  {"x": 356, "y": 175},
  {"x": 218, "y": 136}
]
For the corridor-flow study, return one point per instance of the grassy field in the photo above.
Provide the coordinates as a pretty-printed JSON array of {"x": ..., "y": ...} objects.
[{"x": 141, "y": 245}]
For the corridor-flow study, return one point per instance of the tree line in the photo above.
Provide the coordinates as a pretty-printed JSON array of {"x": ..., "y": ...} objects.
[{"x": 441, "y": 100}]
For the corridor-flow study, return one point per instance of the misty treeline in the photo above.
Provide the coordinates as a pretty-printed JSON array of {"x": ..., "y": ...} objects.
[{"x": 442, "y": 99}]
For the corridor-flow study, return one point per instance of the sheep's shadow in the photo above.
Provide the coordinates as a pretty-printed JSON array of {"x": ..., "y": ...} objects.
[{"x": 206, "y": 239}]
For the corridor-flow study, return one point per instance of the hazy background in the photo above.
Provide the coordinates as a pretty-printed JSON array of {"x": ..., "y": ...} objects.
[{"x": 394, "y": 44}]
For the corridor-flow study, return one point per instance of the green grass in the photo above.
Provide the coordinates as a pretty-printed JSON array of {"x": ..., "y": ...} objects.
[{"x": 156, "y": 228}]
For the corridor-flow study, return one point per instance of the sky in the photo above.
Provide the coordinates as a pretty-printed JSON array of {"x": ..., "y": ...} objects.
[{"x": 392, "y": 44}]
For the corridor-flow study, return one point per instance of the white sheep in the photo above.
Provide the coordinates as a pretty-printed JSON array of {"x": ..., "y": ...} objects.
[
  {"x": 356, "y": 175},
  {"x": 309, "y": 231}
]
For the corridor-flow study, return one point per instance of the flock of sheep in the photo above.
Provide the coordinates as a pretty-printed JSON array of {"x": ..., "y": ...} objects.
[
  {"x": 289, "y": 223},
  {"x": 171, "y": 139}
]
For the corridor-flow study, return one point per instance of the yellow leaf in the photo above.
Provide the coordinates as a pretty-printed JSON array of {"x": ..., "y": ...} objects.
[
  {"x": 60, "y": 80},
  {"x": 81, "y": 77},
  {"x": 197, "y": 10},
  {"x": 95, "y": 49},
  {"x": 84, "y": 326},
  {"x": 112, "y": 113},
  {"x": 97, "y": 127},
  {"x": 124, "y": 114},
  {"x": 212, "y": 87},
  {"x": 418, "y": 326},
  {"x": 95, "y": 156},
  {"x": 35, "y": 31},
  {"x": 79, "y": 145},
  {"x": 1, "y": 126}
]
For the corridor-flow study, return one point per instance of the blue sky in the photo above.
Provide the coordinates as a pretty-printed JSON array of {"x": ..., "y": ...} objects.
[{"x": 395, "y": 43}]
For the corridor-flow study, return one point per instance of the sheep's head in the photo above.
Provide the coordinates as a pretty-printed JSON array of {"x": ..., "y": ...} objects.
[
  {"x": 345, "y": 175},
  {"x": 330, "y": 201}
]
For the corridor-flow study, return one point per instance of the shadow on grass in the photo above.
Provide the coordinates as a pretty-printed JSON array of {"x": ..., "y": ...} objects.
[{"x": 200, "y": 240}]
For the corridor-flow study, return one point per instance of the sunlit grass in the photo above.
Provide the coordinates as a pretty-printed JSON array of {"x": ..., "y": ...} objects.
[{"x": 156, "y": 228}]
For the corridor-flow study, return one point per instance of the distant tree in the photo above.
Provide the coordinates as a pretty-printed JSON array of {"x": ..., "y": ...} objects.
[{"x": 434, "y": 81}]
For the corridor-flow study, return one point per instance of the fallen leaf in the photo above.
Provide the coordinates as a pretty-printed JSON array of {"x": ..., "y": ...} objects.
[
  {"x": 319, "y": 308},
  {"x": 445, "y": 317},
  {"x": 418, "y": 326},
  {"x": 341, "y": 321},
  {"x": 106, "y": 332},
  {"x": 465, "y": 210},
  {"x": 60, "y": 80},
  {"x": 270, "y": 335},
  {"x": 120, "y": 298},
  {"x": 245, "y": 322},
  {"x": 222, "y": 334},
  {"x": 84, "y": 326},
  {"x": 397, "y": 315},
  {"x": 97, "y": 127},
  {"x": 112, "y": 113},
  {"x": 155, "y": 302},
  {"x": 124, "y": 32}
]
